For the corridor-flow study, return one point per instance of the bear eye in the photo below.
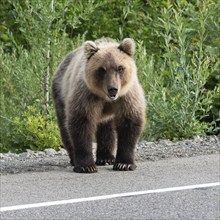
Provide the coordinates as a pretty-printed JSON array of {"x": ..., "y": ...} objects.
[
  {"x": 121, "y": 69},
  {"x": 101, "y": 71}
]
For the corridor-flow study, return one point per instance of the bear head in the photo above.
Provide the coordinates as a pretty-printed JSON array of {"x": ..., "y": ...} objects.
[{"x": 110, "y": 69}]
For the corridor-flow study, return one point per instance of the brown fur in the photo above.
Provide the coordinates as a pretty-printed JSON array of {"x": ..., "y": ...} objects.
[{"x": 96, "y": 92}]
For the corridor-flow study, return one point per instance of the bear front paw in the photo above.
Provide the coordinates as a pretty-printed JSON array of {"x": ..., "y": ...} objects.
[
  {"x": 87, "y": 169},
  {"x": 124, "y": 167},
  {"x": 105, "y": 161}
]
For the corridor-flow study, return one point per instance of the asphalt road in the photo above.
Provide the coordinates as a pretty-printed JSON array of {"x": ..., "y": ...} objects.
[{"x": 43, "y": 187}]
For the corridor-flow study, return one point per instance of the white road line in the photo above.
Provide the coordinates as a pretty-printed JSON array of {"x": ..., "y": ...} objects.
[{"x": 95, "y": 198}]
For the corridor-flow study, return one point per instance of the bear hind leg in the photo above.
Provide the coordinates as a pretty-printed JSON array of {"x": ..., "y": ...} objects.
[
  {"x": 105, "y": 137},
  {"x": 61, "y": 119}
]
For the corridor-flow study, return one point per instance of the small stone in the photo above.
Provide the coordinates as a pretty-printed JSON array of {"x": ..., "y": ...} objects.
[
  {"x": 150, "y": 145},
  {"x": 28, "y": 154},
  {"x": 39, "y": 154},
  {"x": 141, "y": 144},
  {"x": 50, "y": 152},
  {"x": 198, "y": 139},
  {"x": 23, "y": 155},
  {"x": 62, "y": 152},
  {"x": 8, "y": 158},
  {"x": 11, "y": 155},
  {"x": 213, "y": 139},
  {"x": 188, "y": 142},
  {"x": 166, "y": 142},
  {"x": 2, "y": 156}
]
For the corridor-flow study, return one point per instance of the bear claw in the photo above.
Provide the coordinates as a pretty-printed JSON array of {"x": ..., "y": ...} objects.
[
  {"x": 88, "y": 169},
  {"x": 124, "y": 167},
  {"x": 103, "y": 162}
]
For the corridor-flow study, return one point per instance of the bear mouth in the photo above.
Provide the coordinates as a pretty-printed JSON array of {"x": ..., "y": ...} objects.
[{"x": 112, "y": 97}]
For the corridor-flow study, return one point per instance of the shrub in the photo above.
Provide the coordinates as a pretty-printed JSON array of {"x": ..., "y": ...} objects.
[
  {"x": 178, "y": 102},
  {"x": 33, "y": 130},
  {"x": 175, "y": 107}
]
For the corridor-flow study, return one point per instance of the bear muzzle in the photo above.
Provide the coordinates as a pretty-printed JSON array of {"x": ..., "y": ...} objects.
[{"x": 112, "y": 92}]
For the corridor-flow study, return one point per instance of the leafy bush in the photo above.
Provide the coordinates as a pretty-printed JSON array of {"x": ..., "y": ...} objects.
[
  {"x": 32, "y": 131},
  {"x": 178, "y": 102}
]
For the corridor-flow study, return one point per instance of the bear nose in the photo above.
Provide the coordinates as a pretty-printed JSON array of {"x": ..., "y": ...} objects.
[{"x": 112, "y": 91}]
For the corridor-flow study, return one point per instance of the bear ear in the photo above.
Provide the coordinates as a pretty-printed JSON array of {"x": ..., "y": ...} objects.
[
  {"x": 127, "y": 46},
  {"x": 90, "y": 48}
]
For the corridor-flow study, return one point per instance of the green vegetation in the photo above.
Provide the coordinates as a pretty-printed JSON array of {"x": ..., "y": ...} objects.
[
  {"x": 33, "y": 130},
  {"x": 177, "y": 56}
]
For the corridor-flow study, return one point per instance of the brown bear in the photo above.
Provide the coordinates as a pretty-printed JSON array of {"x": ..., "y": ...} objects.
[{"x": 97, "y": 94}]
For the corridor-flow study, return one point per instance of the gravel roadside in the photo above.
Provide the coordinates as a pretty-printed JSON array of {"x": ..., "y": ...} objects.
[{"x": 50, "y": 159}]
